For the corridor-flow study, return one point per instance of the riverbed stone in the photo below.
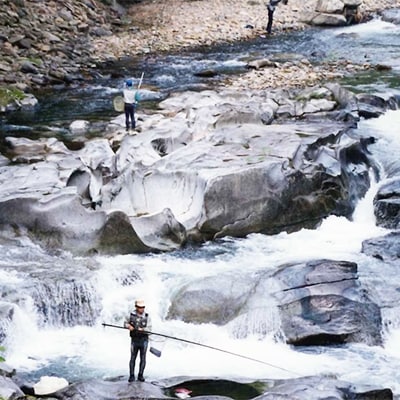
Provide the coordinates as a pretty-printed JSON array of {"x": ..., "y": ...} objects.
[
  {"x": 117, "y": 236},
  {"x": 323, "y": 387}
]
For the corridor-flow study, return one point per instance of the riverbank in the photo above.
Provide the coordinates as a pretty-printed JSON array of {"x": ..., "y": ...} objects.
[
  {"x": 159, "y": 26},
  {"x": 50, "y": 43},
  {"x": 183, "y": 24}
]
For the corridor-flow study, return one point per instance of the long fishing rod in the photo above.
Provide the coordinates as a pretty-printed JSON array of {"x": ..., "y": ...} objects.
[{"x": 205, "y": 345}]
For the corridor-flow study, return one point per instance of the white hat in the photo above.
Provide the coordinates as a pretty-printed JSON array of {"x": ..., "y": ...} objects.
[{"x": 139, "y": 303}]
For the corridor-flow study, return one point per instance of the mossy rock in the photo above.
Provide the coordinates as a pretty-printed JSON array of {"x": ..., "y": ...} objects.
[{"x": 9, "y": 95}]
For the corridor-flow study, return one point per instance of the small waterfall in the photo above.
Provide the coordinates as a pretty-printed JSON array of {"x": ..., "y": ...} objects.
[{"x": 67, "y": 302}]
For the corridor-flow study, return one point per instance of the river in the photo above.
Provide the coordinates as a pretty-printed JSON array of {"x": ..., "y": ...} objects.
[{"x": 57, "y": 322}]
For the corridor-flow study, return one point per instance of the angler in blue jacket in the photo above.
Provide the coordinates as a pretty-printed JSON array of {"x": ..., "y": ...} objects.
[{"x": 131, "y": 99}]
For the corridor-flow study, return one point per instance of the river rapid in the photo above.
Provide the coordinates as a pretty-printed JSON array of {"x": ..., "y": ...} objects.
[{"x": 57, "y": 328}]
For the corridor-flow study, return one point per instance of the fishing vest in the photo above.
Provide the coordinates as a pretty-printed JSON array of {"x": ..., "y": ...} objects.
[{"x": 138, "y": 321}]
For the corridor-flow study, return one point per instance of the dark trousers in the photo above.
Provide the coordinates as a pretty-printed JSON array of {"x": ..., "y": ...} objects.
[
  {"x": 138, "y": 346},
  {"x": 270, "y": 19},
  {"x": 130, "y": 115}
]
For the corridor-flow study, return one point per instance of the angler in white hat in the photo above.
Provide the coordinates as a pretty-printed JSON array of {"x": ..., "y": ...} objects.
[{"x": 139, "y": 325}]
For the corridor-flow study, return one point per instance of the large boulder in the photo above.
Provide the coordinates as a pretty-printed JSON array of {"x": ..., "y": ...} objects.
[
  {"x": 218, "y": 299},
  {"x": 321, "y": 302}
]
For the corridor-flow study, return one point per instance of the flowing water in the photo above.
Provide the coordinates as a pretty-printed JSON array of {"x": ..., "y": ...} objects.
[{"x": 60, "y": 301}]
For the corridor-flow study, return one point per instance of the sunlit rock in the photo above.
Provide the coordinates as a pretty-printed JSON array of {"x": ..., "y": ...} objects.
[
  {"x": 49, "y": 384},
  {"x": 329, "y": 20},
  {"x": 57, "y": 220},
  {"x": 330, "y": 7}
]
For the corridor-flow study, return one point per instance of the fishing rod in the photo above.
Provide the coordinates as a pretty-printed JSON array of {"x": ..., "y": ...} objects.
[
  {"x": 141, "y": 80},
  {"x": 207, "y": 346}
]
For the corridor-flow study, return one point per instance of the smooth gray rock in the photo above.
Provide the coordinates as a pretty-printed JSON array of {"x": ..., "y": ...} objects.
[{"x": 214, "y": 160}]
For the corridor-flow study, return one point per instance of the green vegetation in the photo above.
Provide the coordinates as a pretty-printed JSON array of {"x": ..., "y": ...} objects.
[
  {"x": 9, "y": 94},
  {"x": 2, "y": 349}
]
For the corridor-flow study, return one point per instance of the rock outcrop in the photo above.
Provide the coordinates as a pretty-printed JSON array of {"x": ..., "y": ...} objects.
[{"x": 207, "y": 165}]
